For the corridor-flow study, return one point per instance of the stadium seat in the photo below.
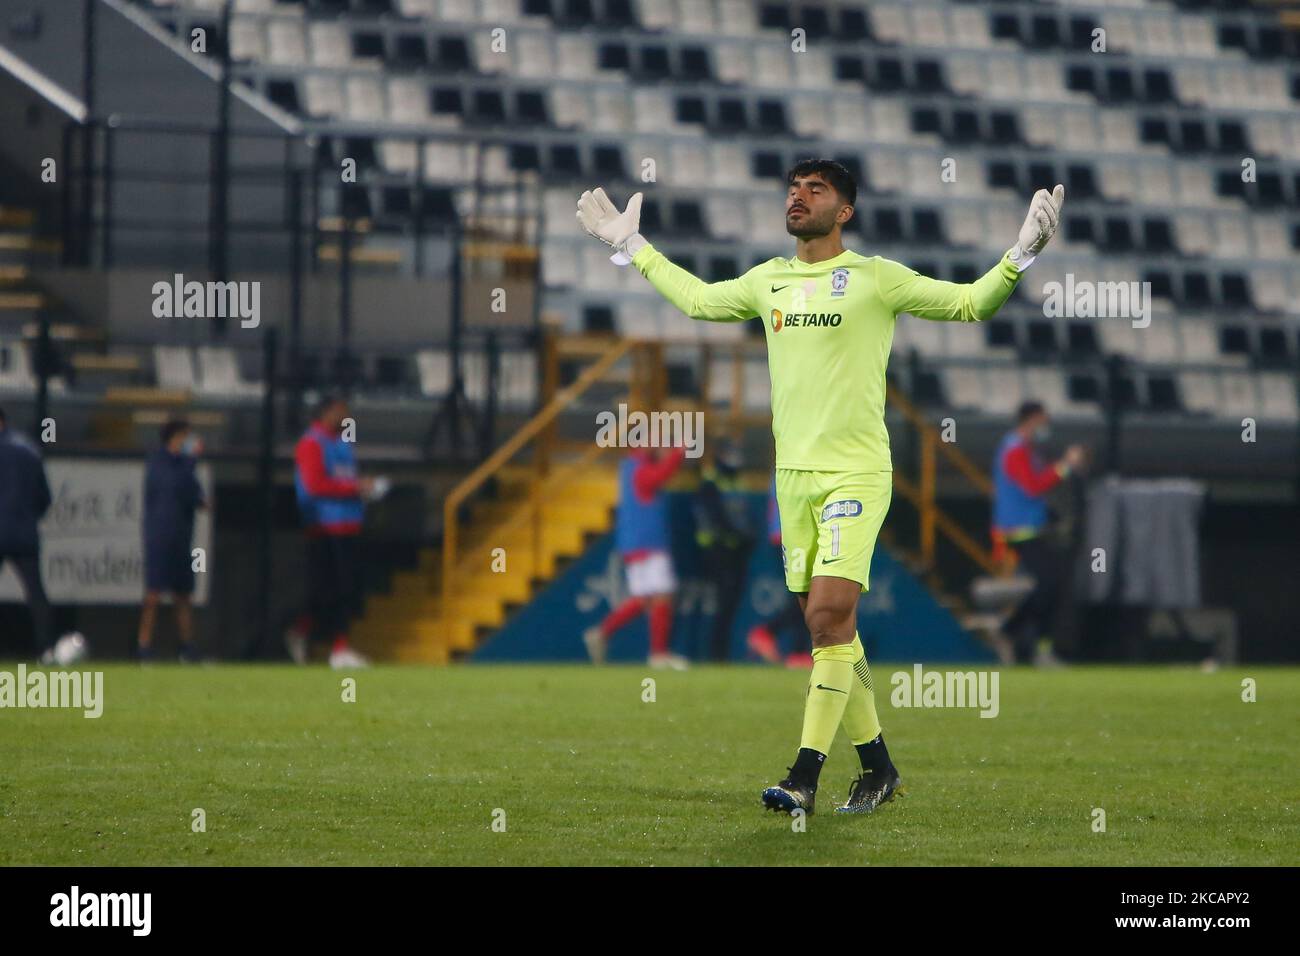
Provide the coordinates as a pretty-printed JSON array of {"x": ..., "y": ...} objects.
[
  {"x": 1159, "y": 342},
  {"x": 1240, "y": 395},
  {"x": 329, "y": 43},
  {"x": 174, "y": 367},
  {"x": 219, "y": 374},
  {"x": 964, "y": 387},
  {"x": 434, "y": 369},
  {"x": 15, "y": 368},
  {"x": 1278, "y": 401}
]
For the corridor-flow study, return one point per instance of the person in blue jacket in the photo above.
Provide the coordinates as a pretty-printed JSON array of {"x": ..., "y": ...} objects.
[
  {"x": 24, "y": 499},
  {"x": 172, "y": 495}
]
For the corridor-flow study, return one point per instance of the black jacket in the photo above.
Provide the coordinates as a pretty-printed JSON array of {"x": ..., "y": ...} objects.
[
  {"x": 24, "y": 494},
  {"x": 171, "y": 496}
]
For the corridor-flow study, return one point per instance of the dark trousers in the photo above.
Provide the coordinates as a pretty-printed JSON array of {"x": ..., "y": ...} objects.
[
  {"x": 28, "y": 568},
  {"x": 725, "y": 567},
  {"x": 791, "y": 617},
  {"x": 331, "y": 583},
  {"x": 1036, "y": 614}
]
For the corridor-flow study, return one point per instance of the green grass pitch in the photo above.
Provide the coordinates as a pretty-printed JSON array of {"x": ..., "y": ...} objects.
[{"x": 586, "y": 772}]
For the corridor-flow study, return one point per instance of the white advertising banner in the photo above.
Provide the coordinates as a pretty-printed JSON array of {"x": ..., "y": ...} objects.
[{"x": 92, "y": 550}]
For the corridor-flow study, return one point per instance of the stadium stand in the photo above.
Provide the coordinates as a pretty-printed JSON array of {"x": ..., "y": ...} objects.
[{"x": 1149, "y": 141}]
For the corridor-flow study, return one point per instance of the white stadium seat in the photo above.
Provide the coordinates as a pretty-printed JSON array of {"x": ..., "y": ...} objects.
[
  {"x": 15, "y": 368},
  {"x": 964, "y": 387},
  {"x": 434, "y": 369},
  {"x": 174, "y": 367},
  {"x": 219, "y": 374},
  {"x": 247, "y": 41},
  {"x": 286, "y": 43},
  {"x": 1278, "y": 398},
  {"x": 330, "y": 44},
  {"x": 1200, "y": 392}
]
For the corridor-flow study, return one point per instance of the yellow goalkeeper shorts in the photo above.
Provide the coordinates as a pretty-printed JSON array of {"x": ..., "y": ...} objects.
[{"x": 829, "y": 523}]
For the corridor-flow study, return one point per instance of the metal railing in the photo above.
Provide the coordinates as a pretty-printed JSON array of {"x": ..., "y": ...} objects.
[
  {"x": 648, "y": 386},
  {"x": 539, "y": 434}
]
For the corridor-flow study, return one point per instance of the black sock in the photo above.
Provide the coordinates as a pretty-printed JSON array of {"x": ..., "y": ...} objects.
[
  {"x": 873, "y": 754},
  {"x": 807, "y": 767}
]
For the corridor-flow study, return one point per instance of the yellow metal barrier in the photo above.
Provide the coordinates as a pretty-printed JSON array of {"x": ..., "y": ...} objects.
[{"x": 646, "y": 385}]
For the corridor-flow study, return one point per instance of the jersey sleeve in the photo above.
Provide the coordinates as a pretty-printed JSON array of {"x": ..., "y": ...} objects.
[
  {"x": 904, "y": 290},
  {"x": 650, "y": 476},
  {"x": 731, "y": 300},
  {"x": 1020, "y": 469}
]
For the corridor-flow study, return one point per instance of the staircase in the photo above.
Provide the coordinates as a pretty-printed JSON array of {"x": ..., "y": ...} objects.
[
  {"x": 20, "y": 300},
  {"x": 407, "y": 624},
  {"x": 511, "y": 524},
  {"x": 75, "y": 346}
]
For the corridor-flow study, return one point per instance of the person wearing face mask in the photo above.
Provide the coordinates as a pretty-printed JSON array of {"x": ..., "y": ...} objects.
[
  {"x": 172, "y": 495},
  {"x": 1021, "y": 483},
  {"x": 331, "y": 503}
]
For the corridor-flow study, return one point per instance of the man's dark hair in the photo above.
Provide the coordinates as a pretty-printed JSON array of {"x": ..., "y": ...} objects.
[
  {"x": 325, "y": 403},
  {"x": 1028, "y": 410},
  {"x": 172, "y": 428},
  {"x": 840, "y": 179}
]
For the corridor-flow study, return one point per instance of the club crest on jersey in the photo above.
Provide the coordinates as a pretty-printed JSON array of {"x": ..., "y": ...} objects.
[
  {"x": 850, "y": 508},
  {"x": 839, "y": 281},
  {"x": 776, "y": 320}
]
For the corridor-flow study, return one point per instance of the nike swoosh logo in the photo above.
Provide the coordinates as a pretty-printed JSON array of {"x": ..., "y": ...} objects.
[
  {"x": 777, "y": 288},
  {"x": 831, "y": 561},
  {"x": 836, "y": 689}
]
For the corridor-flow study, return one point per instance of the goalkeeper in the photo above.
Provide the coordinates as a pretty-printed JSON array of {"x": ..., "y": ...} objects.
[{"x": 829, "y": 318}]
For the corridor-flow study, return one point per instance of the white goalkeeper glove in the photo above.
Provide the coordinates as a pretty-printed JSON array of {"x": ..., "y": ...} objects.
[
  {"x": 1040, "y": 225},
  {"x": 601, "y": 219}
]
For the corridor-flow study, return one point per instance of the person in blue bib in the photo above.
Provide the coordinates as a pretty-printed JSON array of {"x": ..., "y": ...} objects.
[
  {"x": 331, "y": 504},
  {"x": 641, "y": 538},
  {"x": 1021, "y": 483}
]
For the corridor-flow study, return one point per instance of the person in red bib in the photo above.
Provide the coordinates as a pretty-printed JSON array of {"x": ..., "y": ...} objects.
[
  {"x": 641, "y": 537},
  {"x": 332, "y": 506},
  {"x": 1021, "y": 482}
]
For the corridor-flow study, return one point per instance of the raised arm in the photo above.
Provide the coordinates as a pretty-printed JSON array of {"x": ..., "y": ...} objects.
[
  {"x": 906, "y": 291},
  {"x": 727, "y": 301}
]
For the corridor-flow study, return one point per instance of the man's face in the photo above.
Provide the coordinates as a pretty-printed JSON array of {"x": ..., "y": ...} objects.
[
  {"x": 333, "y": 417},
  {"x": 813, "y": 207},
  {"x": 1038, "y": 426}
]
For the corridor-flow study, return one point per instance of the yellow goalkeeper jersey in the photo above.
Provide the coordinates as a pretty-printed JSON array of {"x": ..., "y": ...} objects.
[{"x": 829, "y": 327}]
